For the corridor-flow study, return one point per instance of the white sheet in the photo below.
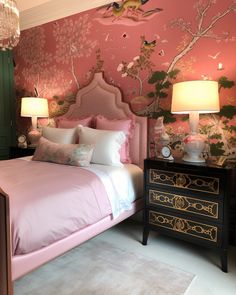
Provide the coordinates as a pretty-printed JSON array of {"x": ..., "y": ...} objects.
[{"x": 123, "y": 185}]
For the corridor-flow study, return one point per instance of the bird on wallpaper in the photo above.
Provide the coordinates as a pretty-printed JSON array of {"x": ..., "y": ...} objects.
[
  {"x": 214, "y": 56},
  {"x": 118, "y": 8},
  {"x": 150, "y": 44}
]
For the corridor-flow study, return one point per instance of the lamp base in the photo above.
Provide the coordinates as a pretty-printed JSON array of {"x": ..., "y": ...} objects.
[
  {"x": 194, "y": 145},
  {"x": 34, "y": 136}
]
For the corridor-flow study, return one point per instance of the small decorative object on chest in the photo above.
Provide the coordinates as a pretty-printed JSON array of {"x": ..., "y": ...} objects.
[
  {"x": 22, "y": 143},
  {"x": 166, "y": 153}
]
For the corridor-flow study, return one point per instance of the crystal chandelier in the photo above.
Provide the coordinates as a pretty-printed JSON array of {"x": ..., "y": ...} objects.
[{"x": 9, "y": 24}]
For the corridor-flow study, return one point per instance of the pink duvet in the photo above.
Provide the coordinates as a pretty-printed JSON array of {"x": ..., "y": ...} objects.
[{"x": 49, "y": 201}]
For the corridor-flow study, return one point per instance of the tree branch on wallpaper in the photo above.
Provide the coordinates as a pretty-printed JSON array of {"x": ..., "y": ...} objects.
[
  {"x": 201, "y": 31},
  {"x": 79, "y": 44},
  {"x": 204, "y": 29},
  {"x": 140, "y": 63}
]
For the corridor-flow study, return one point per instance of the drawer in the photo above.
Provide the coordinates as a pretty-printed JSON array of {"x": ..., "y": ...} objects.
[
  {"x": 191, "y": 228},
  {"x": 198, "y": 206},
  {"x": 185, "y": 181}
]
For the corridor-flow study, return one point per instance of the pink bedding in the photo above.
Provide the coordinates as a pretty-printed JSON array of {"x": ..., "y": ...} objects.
[{"x": 68, "y": 198}]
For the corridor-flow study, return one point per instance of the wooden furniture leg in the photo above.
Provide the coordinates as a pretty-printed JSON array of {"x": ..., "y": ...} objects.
[
  {"x": 145, "y": 235},
  {"x": 6, "y": 286},
  {"x": 224, "y": 260}
]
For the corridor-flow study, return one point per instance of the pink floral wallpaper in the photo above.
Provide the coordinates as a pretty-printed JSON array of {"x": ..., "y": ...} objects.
[{"x": 143, "y": 47}]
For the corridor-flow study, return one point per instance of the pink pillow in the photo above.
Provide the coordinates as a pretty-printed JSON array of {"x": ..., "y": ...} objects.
[
  {"x": 71, "y": 123},
  {"x": 60, "y": 153},
  {"x": 125, "y": 125}
]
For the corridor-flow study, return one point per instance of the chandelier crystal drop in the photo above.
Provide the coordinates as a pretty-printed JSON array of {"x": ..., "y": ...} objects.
[{"x": 9, "y": 24}]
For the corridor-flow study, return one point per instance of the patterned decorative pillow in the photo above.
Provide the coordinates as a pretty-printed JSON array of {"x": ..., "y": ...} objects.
[
  {"x": 125, "y": 125},
  {"x": 67, "y": 154},
  {"x": 72, "y": 123}
]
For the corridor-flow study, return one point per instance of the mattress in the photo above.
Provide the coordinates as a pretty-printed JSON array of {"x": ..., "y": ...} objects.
[{"x": 48, "y": 202}]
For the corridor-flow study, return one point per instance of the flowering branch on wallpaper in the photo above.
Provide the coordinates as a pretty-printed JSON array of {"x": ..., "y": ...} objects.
[
  {"x": 140, "y": 65},
  {"x": 203, "y": 30}
]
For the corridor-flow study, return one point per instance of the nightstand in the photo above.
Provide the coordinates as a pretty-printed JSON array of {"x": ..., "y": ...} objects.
[
  {"x": 189, "y": 201},
  {"x": 17, "y": 152}
]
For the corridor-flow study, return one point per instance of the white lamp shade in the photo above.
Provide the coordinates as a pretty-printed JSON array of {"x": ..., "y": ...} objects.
[
  {"x": 34, "y": 107},
  {"x": 201, "y": 96}
]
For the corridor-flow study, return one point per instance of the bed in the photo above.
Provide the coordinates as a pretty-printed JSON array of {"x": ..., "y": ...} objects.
[{"x": 96, "y": 99}]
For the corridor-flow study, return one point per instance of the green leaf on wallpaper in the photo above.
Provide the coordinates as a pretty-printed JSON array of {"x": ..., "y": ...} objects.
[
  {"x": 151, "y": 94},
  {"x": 157, "y": 76},
  {"x": 232, "y": 128},
  {"x": 166, "y": 84},
  {"x": 168, "y": 117},
  {"x": 60, "y": 102},
  {"x": 215, "y": 136},
  {"x": 162, "y": 94},
  {"x": 173, "y": 74},
  {"x": 224, "y": 82},
  {"x": 216, "y": 149},
  {"x": 228, "y": 111},
  {"x": 185, "y": 118}
]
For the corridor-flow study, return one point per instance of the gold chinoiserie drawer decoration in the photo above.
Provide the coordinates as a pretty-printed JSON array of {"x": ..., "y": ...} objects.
[
  {"x": 185, "y": 181},
  {"x": 185, "y": 226},
  {"x": 183, "y": 203}
]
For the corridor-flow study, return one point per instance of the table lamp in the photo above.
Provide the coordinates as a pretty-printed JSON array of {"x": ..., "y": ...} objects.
[
  {"x": 194, "y": 98},
  {"x": 34, "y": 107}
]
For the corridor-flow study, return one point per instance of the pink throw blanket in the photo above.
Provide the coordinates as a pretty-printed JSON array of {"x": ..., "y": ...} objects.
[{"x": 49, "y": 201}]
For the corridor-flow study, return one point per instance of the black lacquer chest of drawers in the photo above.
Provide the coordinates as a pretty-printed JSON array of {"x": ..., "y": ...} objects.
[{"x": 188, "y": 201}]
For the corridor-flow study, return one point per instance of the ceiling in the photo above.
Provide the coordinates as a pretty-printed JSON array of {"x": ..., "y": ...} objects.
[{"x": 38, "y": 12}]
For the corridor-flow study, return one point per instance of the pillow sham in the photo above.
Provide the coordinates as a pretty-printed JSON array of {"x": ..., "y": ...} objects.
[
  {"x": 67, "y": 154},
  {"x": 124, "y": 125},
  {"x": 106, "y": 144},
  {"x": 71, "y": 123},
  {"x": 60, "y": 135}
]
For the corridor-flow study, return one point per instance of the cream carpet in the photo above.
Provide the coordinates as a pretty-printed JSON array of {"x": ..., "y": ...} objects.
[{"x": 100, "y": 268}]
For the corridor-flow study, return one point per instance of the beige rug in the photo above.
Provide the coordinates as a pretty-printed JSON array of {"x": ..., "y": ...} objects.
[{"x": 100, "y": 268}]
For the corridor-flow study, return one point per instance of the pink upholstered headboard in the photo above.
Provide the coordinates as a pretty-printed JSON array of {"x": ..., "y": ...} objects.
[{"x": 99, "y": 97}]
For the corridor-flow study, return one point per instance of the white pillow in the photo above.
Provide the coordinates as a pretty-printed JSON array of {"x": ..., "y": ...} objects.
[
  {"x": 60, "y": 135},
  {"x": 107, "y": 144}
]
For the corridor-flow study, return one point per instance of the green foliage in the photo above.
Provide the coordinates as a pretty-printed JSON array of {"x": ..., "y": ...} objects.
[
  {"x": 185, "y": 118},
  {"x": 215, "y": 136},
  {"x": 228, "y": 111},
  {"x": 162, "y": 81},
  {"x": 224, "y": 82},
  {"x": 157, "y": 76},
  {"x": 216, "y": 149},
  {"x": 151, "y": 94},
  {"x": 168, "y": 117}
]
